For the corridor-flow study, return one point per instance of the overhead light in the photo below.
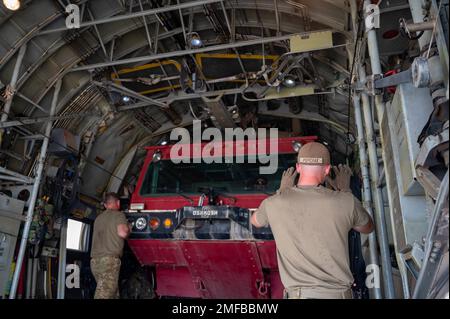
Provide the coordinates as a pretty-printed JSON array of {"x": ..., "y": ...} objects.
[
  {"x": 126, "y": 99},
  {"x": 289, "y": 81},
  {"x": 194, "y": 40},
  {"x": 12, "y": 4},
  {"x": 163, "y": 141}
]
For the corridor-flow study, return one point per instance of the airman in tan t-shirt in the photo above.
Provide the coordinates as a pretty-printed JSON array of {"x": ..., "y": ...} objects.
[{"x": 310, "y": 224}]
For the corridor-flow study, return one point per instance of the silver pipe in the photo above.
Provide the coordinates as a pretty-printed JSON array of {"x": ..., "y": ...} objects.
[
  {"x": 374, "y": 54},
  {"x": 380, "y": 218},
  {"x": 277, "y": 16},
  {"x": 230, "y": 29},
  {"x": 136, "y": 14},
  {"x": 12, "y": 84},
  {"x": 111, "y": 51},
  {"x": 131, "y": 5},
  {"x": 27, "y": 121},
  {"x": 98, "y": 34},
  {"x": 14, "y": 79},
  {"x": 225, "y": 14},
  {"x": 34, "y": 193},
  {"x": 62, "y": 261},
  {"x": 31, "y": 102},
  {"x": 100, "y": 40},
  {"x": 17, "y": 175},
  {"x": 13, "y": 179},
  {"x": 375, "y": 62},
  {"x": 418, "y": 16},
  {"x": 367, "y": 193},
  {"x": 191, "y": 21},
  {"x": 421, "y": 26},
  {"x": 156, "y": 41},
  {"x": 233, "y": 25},
  {"x": 132, "y": 93},
  {"x": 181, "y": 97},
  {"x": 147, "y": 32},
  {"x": 182, "y": 22},
  {"x": 167, "y": 55}
]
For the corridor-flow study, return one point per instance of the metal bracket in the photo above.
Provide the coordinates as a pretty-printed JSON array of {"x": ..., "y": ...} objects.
[
  {"x": 421, "y": 72},
  {"x": 11, "y": 175},
  {"x": 371, "y": 88},
  {"x": 429, "y": 181},
  {"x": 358, "y": 87},
  {"x": 417, "y": 254},
  {"x": 28, "y": 147},
  {"x": 430, "y": 144},
  {"x": 436, "y": 246},
  {"x": 394, "y": 80},
  {"x": 409, "y": 257}
]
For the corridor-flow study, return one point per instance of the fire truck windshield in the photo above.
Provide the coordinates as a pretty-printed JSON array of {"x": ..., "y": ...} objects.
[{"x": 166, "y": 177}]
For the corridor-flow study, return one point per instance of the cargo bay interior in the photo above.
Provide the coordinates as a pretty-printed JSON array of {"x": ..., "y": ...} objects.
[{"x": 91, "y": 90}]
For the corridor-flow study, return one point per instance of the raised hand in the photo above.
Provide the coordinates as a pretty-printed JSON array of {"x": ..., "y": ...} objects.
[
  {"x": 288, "y": 178},
  {"x": 341, "y": 182}
]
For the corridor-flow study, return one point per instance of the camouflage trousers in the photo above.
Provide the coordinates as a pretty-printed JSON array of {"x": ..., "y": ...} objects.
[{"x": 106, "y": 273}]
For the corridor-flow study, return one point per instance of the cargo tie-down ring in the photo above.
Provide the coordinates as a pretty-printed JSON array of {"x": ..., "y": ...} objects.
[{"x": 263, "y": 288}]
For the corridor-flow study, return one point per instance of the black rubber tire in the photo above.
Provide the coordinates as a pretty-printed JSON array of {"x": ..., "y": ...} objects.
[{"x": 137, "y": 286}]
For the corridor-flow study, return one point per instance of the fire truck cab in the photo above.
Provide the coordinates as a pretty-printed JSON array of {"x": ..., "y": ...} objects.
[{"x": 191, "y": 223}]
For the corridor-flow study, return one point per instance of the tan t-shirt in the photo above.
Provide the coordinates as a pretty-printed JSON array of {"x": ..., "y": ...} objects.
[
  {"x": 106, "y": 242},
  {"x": 310, "y": 226}
]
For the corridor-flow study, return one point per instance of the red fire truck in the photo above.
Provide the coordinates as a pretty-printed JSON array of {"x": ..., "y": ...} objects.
[{"x": 191, "y": 223}]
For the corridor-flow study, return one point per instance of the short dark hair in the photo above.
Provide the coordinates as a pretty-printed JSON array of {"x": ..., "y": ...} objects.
[{"x": 110, "y": 196}]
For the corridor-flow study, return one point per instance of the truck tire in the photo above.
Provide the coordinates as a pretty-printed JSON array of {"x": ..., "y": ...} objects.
[{"x": 137, "y": 286}]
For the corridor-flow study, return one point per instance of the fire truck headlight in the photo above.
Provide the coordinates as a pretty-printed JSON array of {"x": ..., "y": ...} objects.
[{"x": 140, "y": 223}]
